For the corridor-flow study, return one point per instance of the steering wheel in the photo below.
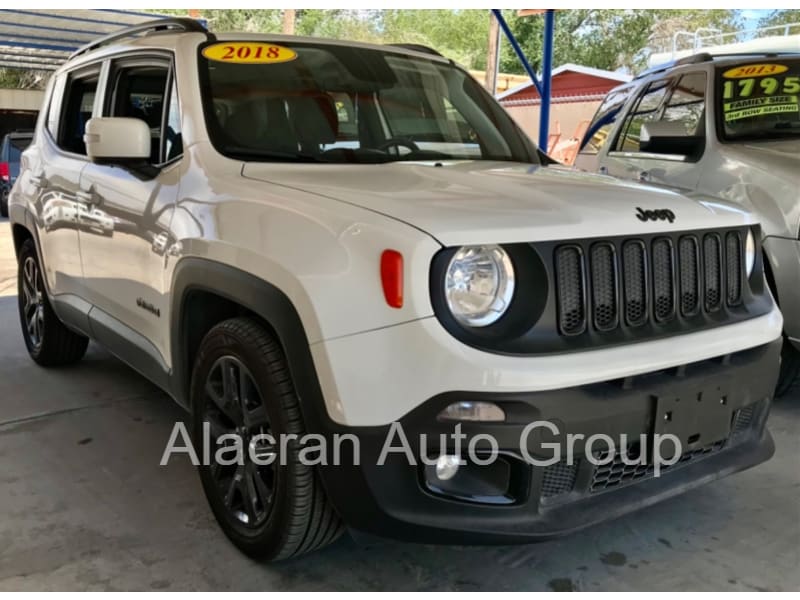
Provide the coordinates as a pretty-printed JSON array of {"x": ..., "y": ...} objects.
[{"x": 398, "y": 142}]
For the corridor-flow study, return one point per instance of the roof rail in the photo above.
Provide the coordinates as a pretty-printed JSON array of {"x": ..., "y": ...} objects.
[
  {"x": 694, "y": 59},
  {"x": 418, "y": 48},
  {"x": 172, "y": 23}
]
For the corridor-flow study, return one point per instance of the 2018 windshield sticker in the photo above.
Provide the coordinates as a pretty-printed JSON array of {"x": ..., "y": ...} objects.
[{"x": 253, "y": 53}]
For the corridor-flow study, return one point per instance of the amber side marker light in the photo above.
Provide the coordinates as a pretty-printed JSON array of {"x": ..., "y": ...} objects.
[{"x": 392, "y": 277}]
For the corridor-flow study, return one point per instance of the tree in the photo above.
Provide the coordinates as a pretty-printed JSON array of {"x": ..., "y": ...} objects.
[
  {"x": 24, "y": 79},
  {"x": 781, "y": 17},
  {"x": 608, "y": 39},
  {"x": 459, "y": 34}
]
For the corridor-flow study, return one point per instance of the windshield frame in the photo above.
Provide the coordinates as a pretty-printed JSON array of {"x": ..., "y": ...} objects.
[
  {"x": 719, "y": 117},
  {"x": 533, "y": 155}
]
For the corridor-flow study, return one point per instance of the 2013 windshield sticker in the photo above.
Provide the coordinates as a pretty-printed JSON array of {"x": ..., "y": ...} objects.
[
  {"x": 249, "y": 53},
  {"x": 758, "y": 70},
  {"x": 758, "y": 90}
]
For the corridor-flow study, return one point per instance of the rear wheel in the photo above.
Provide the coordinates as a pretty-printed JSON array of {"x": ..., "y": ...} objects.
[
  {"x": 50, "y": 343},
  {"x": 241, "y": 386},
  {"x": 4, "y": 201}
]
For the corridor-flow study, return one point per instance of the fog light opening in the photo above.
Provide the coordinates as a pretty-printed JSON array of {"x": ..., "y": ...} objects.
[
  {"x": 473, "y": 411},
  {"x": 447, "y": 466}
]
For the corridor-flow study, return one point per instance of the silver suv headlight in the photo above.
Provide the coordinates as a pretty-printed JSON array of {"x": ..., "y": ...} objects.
[
  {"x": 749, "y": 252},
  {"x": 479, "y": 285}
]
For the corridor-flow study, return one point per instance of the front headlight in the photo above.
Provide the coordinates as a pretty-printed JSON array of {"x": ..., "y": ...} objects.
[
  {"x": 479, "y": 284},
  {"x": 749, "y": 252}
]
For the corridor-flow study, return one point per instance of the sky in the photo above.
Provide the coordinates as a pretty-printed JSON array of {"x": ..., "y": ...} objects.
[{"x": 752, "y": 15}]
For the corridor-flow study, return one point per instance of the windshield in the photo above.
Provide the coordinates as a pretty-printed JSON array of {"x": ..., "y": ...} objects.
[
  {"x": 341, "y": 104},
  {"x": 759, "y": 100}
]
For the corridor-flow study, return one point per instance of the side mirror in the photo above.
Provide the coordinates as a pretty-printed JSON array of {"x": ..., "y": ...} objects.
[
  {"x": 112, "y": 139},
  {"x": 670, "y": 137}
]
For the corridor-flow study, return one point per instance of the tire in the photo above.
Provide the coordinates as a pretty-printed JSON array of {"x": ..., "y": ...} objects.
[
  {"x": 790, "y": 367},
  {"x": 50, "y": 343},
  {"x": 4, "y": 202},
  {"x": 274, "y": 512}
]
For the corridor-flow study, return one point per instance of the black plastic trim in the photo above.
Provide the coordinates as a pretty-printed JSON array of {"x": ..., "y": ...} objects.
[{"x": 391, "y": 501}]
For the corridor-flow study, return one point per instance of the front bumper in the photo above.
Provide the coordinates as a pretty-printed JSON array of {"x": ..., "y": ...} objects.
[{"x": 395, "y": 500}]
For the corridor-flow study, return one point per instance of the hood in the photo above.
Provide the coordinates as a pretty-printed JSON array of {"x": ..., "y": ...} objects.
[
  {"x": 778, "y": 157},
  {"x": 474, "y": 202}
]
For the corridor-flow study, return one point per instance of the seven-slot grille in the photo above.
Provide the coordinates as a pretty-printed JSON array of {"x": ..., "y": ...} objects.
[{"x": 633, "y": 282}]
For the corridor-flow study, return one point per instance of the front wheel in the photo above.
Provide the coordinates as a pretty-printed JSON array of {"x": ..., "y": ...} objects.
[
  {"x": 790, "y": 367},
  {"x": 242, "y": 389},
  {"x": 50, "y": 343}
]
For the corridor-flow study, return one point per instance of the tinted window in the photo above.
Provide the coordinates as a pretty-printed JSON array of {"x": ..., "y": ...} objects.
[
  {"x": 139, "y": 94},
  {"x": 334, "y": 103},
  {"x": 688, "y": 102},
  {"x": 759, "y": 101},
  {"x": 603, "y": 123},
  {"x": 55, "y": 104},
  {"x": 173, "y": 137},
  {"x": 76, "y": 111},
  {"x": 648, "y": 109}
]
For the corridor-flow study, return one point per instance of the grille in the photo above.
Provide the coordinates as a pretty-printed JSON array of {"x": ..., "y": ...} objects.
[
  {"x": 712, "y": 255},
  {"x": 571, "y": 295},
  {"x": 617, "y": 473},
  {"x": 635, "y": 277},
  {"x": 743, "y": 421},
  {"x": 663, "y": 282},
  {"x": 558, "y": 479},
  {"x": 604, "y": 285},
  {"x": 689, "y": 270},
  {"x": 733, "y": 265}
]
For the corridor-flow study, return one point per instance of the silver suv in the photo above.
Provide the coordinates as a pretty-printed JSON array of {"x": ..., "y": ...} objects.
[
  {"x": 724, "y": 126},
  {"x": 320, "y": 242}
]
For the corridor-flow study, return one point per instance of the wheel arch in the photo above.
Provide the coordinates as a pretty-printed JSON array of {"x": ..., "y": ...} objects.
[{"x": 205, "y": 293}]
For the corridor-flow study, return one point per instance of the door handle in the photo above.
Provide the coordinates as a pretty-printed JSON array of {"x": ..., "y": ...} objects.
[
  {"x": 39, "y": 181},
  {"x": 644, "y": 176},
  {"x": 85, "y": 197},
  {"x": 90, "y": 197}
]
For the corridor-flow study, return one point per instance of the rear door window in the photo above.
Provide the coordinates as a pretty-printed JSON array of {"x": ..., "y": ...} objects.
[{"x": 76, "y": 110}]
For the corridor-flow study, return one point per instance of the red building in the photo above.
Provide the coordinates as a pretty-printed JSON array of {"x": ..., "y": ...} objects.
[{"x": 576, "y": 92}]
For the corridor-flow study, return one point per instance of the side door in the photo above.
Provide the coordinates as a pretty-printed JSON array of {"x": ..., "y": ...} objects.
[
  {"x": 125, "y": 218},
  {"x": 678, "y": 100},
  {"x": 53, "y": 181}
]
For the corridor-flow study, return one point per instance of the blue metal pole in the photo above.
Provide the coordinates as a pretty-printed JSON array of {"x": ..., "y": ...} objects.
[
  {"x": 547, "y": 72},
  {"x": 517, "y": 49}
]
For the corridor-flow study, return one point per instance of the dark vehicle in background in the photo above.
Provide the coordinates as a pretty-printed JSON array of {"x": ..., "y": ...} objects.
[{"x": 10, "y": 152}]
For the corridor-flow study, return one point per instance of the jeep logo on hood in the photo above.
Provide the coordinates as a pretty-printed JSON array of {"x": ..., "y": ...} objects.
[{"x": 655, "y": 215}]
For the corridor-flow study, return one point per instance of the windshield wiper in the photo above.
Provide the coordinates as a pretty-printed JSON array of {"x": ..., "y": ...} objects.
[{"x": 245, "y": 153}]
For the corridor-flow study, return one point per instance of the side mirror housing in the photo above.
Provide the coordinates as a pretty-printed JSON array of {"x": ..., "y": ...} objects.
[
  {"x": 670, "y": 137},
  {"x": 117, "y": 139}
]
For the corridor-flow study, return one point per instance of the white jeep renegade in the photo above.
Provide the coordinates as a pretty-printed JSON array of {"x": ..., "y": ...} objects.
[{"x": 294, "y": 235}]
